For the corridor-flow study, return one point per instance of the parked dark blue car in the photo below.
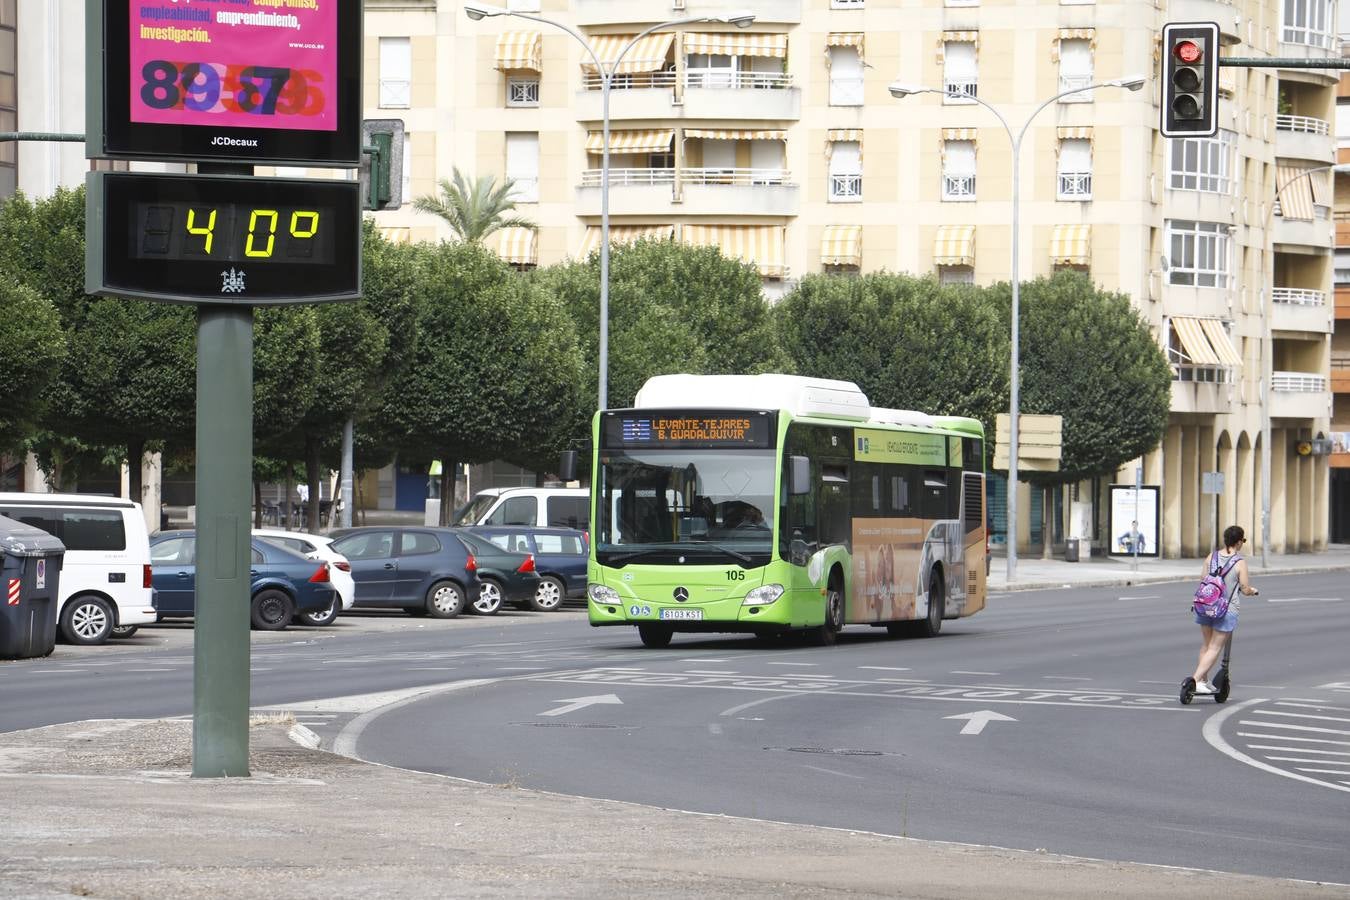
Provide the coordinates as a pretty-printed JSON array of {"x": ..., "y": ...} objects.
[
  {"x": 559, "y": 558},
  {"x": 283, "y": 583}
]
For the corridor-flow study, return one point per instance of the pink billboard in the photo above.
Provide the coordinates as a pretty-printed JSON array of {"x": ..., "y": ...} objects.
[{"x": 235, "y": 63}]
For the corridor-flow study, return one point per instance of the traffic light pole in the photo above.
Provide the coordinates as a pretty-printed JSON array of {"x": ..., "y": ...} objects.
[{"x": 1250, "y": 62}]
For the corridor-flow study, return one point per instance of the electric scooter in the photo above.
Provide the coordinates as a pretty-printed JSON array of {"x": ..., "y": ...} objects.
[{"x": 1222, "y": 681}]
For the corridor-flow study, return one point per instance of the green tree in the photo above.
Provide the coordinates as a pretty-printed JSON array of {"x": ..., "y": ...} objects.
[
  {"x": 496, "y": 362},
  {"x": 32, "y": 348},
  {"x": 1088, "y": 355},
  {"x": 672, "y": 308},
  {"x": 474, "y": 211},
  {"x": 908, "y": 342}
]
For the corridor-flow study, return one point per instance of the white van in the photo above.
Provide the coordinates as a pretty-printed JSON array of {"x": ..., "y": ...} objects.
[
  {"x": 105, "y": 576},
  {"x": 539, "y": 507}
]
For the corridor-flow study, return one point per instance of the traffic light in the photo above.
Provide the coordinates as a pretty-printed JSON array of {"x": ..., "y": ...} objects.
[{"x": 1190, "y": 102}]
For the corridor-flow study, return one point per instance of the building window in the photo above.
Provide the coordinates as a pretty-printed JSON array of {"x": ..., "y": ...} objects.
[
  {"x": 956, "y": 274},
  {"x": 395, "y": 72},
  {"x": 1308, "y": 22},
  {"x": 846, "y": 77},
  {"x": 846, "y": 172},
  {"x": 522, "y": 90},
  {"x": 1198, "y": 253},
  {"x": 1203, "y": 164},
  {"x": 1075, "y": 69},
  {"x": 958, "y": 170},
  {"x": 1074, "y": 169},
  {"x": 1342, "y": 272},
  {"x": 522, "y": 165},
  {"x": 960, "y": 70}
]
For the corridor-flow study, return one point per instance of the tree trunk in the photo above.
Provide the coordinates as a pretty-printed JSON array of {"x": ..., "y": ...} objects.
[
  {"x": 287, "y": 517},
  {"x": 448, "y": 468},
  {"x": 257, "y": 504},
  {"x": 312, "y": 465},
  {"x": 135, "y": 459}
]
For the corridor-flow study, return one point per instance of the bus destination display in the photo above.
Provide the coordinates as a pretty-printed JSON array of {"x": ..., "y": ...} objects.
[{"x": 676, "y": 429}]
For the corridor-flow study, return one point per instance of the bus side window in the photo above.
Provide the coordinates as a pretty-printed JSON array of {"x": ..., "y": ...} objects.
[
  {"x": 834, "y": 505},
  {"x": 935, "y": 503},
  {"x": 898, "y": 499},
  {"x": 800, "y": 521}
]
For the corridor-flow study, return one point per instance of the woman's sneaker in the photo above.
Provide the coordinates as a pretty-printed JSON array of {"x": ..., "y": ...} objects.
[{"x": 1204, "y": 687}]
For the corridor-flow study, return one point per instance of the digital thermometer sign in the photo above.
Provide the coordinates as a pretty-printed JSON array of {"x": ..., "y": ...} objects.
[{"x": 218, "y": 239}]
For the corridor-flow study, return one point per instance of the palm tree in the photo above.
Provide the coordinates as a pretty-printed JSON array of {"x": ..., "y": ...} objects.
[{"x": 474, "y": 212}]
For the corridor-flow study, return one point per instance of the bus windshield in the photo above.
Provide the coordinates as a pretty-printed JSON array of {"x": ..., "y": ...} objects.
[{"x": 670, "y": 506}]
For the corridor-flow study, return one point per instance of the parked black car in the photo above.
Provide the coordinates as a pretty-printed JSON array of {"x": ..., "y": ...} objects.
[
  {"x": 432, "y": 571},
  {"x": 559, "y": 559}
]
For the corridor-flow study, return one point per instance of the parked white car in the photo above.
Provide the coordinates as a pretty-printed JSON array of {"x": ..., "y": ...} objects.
[{"x": 316, "y": 546}]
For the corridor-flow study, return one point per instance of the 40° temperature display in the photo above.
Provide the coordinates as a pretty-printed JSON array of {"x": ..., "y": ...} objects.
[{"x": 233, "y": 232}]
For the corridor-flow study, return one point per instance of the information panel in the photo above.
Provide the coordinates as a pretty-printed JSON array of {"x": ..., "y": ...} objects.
[
  {"x": 1134, "y": 520},
  {"x": 687, "y": 428},
  {"x": 246, "y": 82},
  {"x": 218, "y": 239}
]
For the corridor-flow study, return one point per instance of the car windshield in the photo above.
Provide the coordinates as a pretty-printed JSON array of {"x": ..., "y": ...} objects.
[
  {"x": 474, "y": 510},
  {"x": 660, "y": 506}
]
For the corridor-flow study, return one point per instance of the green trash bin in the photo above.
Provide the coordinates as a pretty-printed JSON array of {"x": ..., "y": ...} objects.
[{"x": 30, "y": 576}]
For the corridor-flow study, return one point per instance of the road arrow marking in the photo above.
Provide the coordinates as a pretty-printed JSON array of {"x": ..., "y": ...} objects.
[
  {"x": 977, "y": 720},
  {"x": 577, "y": 703}
]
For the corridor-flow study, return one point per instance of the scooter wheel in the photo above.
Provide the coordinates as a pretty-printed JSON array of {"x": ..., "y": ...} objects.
[
  {"x": 1187, "y": 691},
  {"x": 1221, "y": 686}
]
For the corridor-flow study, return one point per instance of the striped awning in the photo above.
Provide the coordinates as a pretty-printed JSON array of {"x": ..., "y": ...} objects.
[
  {"x": 852, "y": 39},
  {"x": 961, "y": 37},
  {"x": 760, "y": 245},
  {"x": 639, "y": 140},
  {"x": 647, "y": 55},
  {"x": 622, "y": 235},
  {"x": 1294, "y": 192},
  {"x": 1073, "y": 34},
  {"x": 518, "y": 246},
  {"x": 1070, "y": 245},
  {"x": 1222, "y": 344},
  {"x": 841, "y": 245},
  {"x": 725, "y": 134},
  {"x": 1076, "y": 133},
  {"x": 954, "y": 245},
  {"x": 1320, "y": 182},
  {"x": 1194, "y": 343},
  {"x": 838, "y": 135},
  {"x": 737, "y": 43},
  {"x": 959, "y": 134},
  {"x": 520, "y": 50}
]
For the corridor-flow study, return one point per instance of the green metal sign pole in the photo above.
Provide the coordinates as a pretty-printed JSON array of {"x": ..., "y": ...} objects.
[{"x": 220, "y": 680}]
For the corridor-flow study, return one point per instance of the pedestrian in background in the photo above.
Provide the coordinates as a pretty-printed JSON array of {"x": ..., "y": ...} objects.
[{"x": 1214, "y": 635}]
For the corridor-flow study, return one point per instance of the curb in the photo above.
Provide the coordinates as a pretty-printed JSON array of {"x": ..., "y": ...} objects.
[{"x": 1143, "y": 578}]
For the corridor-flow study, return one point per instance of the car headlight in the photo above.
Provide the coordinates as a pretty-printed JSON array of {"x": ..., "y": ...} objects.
[
  {"x": 763, "y": 595},
  {"x": 602, "y": 593}
]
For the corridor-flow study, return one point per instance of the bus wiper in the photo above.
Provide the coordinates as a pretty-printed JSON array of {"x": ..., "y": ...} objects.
[
  {"x": 625, "y": 556},
  {"x": 727, "y": 551}
]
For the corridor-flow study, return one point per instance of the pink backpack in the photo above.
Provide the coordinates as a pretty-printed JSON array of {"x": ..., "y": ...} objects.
[{"x": 1211, "y": 597}]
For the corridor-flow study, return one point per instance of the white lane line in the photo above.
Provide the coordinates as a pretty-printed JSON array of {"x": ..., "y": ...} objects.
[
  {"x": 833, "y": 772},
  {"x": 1290, "y": 737},
  {"x": 770, "y": 699},
  {"x": 1272, "y": 712},
  {"x": 1213, "y": 734},
  {"x": 887, "y": 668},
  {"x": 963, "y": 672},
  {"x": 1297, "y": 750},
  {"x": 1065, "y": 678},
  {"x": 1325, "y": 771},
  {"x": 1313, "y": 706},
  {"x": 1302, "y": 759},
  {"x": 1292, "y": 727},
  {"x": 345, "y": 743}
]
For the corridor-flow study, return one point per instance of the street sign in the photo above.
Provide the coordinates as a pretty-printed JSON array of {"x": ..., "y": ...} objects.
[
  {"x": 1211, "y": 482},
  {"x": 1039, "y": 442},
  {"x": 247, "y": 84},
  {"x": 218, "y": 239}
]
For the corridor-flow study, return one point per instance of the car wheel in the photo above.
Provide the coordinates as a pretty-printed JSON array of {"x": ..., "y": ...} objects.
[
  {"x": 655, "y": 636},
  {"x": 272, "y": 610},
  {"x": 549, "y": 595},
  {"x": 86, "y": 620},
  {"x": 937, "y": 607},
  {"x": 125, "y": 631},
  {"x": 445, "y": 600},
  {"x": 320, "y": 616},
  {"x": 489, "y": 598},
  {"x": 827, "y": 632}
]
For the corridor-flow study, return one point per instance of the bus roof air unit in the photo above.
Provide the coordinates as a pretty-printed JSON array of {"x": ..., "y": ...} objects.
[
  {"x": 801, "y": 396},
  {"x": 902, "y": 417}
]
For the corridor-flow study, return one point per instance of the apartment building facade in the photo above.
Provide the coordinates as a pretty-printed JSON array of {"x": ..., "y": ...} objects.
[{"x": 1339, "y": 492}]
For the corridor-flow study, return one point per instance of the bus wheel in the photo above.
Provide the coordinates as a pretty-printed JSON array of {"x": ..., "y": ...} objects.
[
  {"x": 937, "y": 606},
  {"x": 655, "y": 635},
  {"x": 824, "y": 635}
]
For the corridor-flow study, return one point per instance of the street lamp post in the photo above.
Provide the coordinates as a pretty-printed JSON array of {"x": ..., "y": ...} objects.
[
  {"x": 900, "y": 90},
  {"x": 740, "y": 19},
  {"x": 1268, "y": 364}
]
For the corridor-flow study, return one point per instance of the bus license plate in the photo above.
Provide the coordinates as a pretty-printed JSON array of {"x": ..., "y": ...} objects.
[{"x": 682, "y": 614}]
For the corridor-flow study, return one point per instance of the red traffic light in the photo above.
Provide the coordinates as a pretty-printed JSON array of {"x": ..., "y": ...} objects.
[{"x": 1188, "y": 52}]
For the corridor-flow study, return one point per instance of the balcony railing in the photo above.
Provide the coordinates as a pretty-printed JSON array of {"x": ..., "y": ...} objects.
[
  {"x": 1075, "y": 185},
  {"x": 845, "y": 188},
  {"x": 1298, "y": 296},
  {"x": 1295, "y": 34},
  {"x": 958, "y": 89},
  {"x": 721, "y": 79},
  {"x": 1304, "y": 124},
  {"x": 846, "y": 91},
  {"x": 1074, "y": 83},
  {"x": 958, "y": 187},
  {"x": 630, "y": 177},
  {"x": 1298, "y": 382},
  {"x": 593, "y": 81},
  {"x": 735, "y": 176},
  {"x": 1202, "y": 374}
]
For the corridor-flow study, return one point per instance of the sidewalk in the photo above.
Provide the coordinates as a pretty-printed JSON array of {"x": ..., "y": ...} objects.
[
  {"x": 1034, "y": 572},
  {"x": 107, "y": 809}
]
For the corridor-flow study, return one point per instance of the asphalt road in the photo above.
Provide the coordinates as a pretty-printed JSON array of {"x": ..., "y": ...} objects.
[{"x": 1048, "y": 721}]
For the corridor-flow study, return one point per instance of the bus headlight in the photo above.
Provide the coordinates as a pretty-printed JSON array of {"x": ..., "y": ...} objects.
[
  {"x": 763, "y": 595},
  {"x": 601, "y": 593}
]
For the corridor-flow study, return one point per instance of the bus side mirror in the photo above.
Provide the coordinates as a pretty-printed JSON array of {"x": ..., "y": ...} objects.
[
  {"x": 567, "y": 465},
  {"x": 799, "y": 475}
]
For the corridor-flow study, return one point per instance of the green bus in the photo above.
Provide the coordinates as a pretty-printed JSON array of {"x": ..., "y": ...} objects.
[{"x": 768, "y": 504}]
